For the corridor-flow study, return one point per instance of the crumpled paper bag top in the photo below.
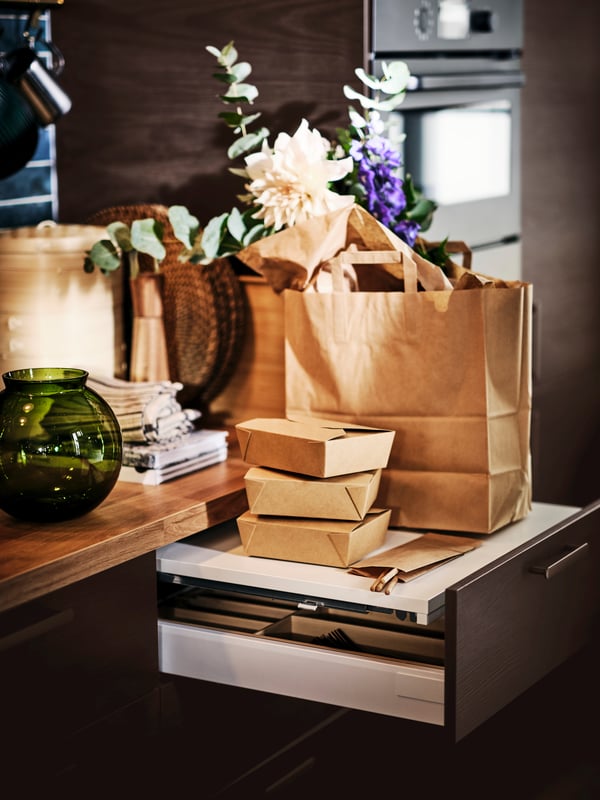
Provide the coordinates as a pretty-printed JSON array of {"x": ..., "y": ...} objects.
[{"x": 300, "y": 257}]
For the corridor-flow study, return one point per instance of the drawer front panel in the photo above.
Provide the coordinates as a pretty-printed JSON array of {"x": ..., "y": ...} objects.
[
  {"x": 309, "y": 672},
  {"x": 511, "y": 624},
  {"x": 74, "y": 657}
]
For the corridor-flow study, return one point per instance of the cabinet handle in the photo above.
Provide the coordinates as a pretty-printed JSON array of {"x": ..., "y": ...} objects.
[
  {"x": 38, "y": 628},
  {"x": 552, "y": 568}
]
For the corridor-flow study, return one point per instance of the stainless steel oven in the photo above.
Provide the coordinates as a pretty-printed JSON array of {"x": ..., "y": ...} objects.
[{"x": 458, "y": 129}]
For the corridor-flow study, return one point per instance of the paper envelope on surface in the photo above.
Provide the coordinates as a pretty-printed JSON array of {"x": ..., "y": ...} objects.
[{"x": 415, "y": 557}]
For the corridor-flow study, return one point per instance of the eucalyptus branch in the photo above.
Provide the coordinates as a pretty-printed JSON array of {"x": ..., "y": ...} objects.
[{"x": 234, "y": 73}]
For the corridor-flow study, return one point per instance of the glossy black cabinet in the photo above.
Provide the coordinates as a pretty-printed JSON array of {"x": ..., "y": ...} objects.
[{"x": 79, "y": 684}]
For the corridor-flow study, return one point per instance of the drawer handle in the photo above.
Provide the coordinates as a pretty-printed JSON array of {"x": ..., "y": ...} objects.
[{"x": 554, "y": 567}]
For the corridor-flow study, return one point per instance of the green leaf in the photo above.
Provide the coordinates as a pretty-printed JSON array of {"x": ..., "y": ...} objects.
[
  {"x": 356, "y": 119},
  {"x": 254, "y": 234},
  {"x": 248, "y": 143},
  {"x": 396, "y": 77},
  {"x": 88, "y": 264},
  {"x": 229, "y": 55},
  {"x": 146, "y": 237},
  {"x": 236, "y": 225},
  {"x": 103, "y": 255},
  {"x": 241, "y": 70},
  {"x": 212, "y": 236},
  {"x": 410, "y": 192},
  {"x": 437, "y": 254},
  {"x": 226, "y": 57},
  {"x": 366, "y": 102},
  {"x": 241, "y": 92},
  {"x": 224, "y": 77},
  {"x": 185, "y": 225},
  {"x": 250, "y": 119},
  {"x": 232, "y": 118},
  {"x": 367, "y": 80},
  {"x": 391, "y": 103},
  {"x": 421, "y": 209},
  {"x": 120, "y": 235}
]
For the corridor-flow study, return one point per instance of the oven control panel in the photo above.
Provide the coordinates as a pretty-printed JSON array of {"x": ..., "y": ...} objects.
[{"x": 446, "y": 25}]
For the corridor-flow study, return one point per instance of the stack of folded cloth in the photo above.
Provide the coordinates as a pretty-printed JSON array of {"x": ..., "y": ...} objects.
[
  {"x": 160, "y": 439},
  {"x": 311, "y": 490},
  {"x": 147, "y": 411}
]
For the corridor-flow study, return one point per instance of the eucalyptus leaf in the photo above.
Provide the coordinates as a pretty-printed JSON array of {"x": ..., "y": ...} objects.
[
  {"x": 356, "y": 119},
  {"x": 396, "y": 77},
  {"x": 366, "y": 102},
  {"x": 247, "y": 144},
  {"x": 146, "y": 237},
  {"x": 232, "y": 118},
  {"x": 248, "y": 120},
  {"x": 232, "y": 99},
  {"x": 254, "y": 234},
  {"x": 228, "y": 55},
  {"x": 391, "y": 103},
  {"x": 224, "y": 77},
  {"x": 185, "y": 225},
  {"x": 242, "y": 92},
  {"x": 120, "y": 234},
  {"x": 104, "y": 255},
  {"x": 368, "y": 80},
  {"x": 213, "y": 235},
  {"x": 88, "y": 264},
  {"x": 236, "y": 225},
  {"x": 241, "y": 70}
]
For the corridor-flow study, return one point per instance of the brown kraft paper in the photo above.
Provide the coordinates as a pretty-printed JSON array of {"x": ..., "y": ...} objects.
[{"x": 448, "y": 369}]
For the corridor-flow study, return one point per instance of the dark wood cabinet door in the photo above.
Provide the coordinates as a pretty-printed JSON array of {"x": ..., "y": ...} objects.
[
  {"x": 70, "y": 664},
  {"x": 512, "y": 623}
]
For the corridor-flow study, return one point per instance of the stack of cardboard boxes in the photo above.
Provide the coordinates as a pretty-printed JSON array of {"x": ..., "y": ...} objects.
[{"x": 311, "y": 489}]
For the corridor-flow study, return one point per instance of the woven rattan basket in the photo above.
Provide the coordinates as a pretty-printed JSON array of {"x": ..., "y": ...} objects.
[{"x": 204, "y": 311}]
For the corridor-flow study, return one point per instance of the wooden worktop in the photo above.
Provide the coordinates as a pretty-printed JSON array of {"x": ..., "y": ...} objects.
[{"x": 133, "y": 520}]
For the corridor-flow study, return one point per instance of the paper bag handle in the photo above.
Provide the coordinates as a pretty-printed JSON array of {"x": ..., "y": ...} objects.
[
  {"x": 387, "y": 258},
  {"x": 452, "y": 248}
]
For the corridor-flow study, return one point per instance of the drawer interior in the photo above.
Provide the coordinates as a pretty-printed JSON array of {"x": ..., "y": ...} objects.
[
  {"x": 373, "y": 633},
  {"x": 216, "y": 609}
]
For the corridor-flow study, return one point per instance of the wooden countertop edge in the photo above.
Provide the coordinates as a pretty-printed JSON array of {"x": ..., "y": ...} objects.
[{"x": 133, "y": 521}]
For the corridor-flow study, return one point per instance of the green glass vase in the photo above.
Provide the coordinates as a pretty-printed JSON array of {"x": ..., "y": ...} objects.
[{"x": 60, "y": 445}]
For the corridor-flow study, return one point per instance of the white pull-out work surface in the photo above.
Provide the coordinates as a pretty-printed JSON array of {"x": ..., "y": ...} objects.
[
  {"x": 451, "y": 647},
  {"x": 216, "y": 556}
]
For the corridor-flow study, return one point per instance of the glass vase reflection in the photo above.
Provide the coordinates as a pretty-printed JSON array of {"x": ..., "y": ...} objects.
[{"x": 60, "y": 445}]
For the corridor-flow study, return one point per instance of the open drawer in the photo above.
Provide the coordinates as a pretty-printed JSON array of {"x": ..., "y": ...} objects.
[{"x": 449, "y": 648}]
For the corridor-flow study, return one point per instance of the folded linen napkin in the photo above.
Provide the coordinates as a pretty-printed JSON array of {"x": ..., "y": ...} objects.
[{"x": 147, "y": 411}]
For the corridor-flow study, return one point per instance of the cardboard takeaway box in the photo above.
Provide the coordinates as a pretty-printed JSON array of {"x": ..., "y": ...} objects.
[
  {"x": 311, "y": 446},
  {"x": 278, "y": 493},
  {"x": 334, "y": 543}
]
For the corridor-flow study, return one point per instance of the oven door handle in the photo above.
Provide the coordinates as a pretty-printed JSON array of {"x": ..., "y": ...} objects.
[{"x": 479, "y": 80}]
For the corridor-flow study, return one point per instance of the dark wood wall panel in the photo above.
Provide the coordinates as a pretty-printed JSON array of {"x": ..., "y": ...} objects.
[
  {"x": 144, "y": 124},
  {"x": 561, "y": 242}
]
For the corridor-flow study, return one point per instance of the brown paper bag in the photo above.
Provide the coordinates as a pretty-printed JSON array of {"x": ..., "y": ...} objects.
[{"x": 449, "y": 370}]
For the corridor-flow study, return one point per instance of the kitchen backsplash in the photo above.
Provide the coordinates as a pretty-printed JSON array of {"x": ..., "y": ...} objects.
[{"x": 30, "y": 195}]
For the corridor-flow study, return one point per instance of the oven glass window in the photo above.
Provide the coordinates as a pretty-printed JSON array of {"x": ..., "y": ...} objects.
[{"x": 457, "y": 154}]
